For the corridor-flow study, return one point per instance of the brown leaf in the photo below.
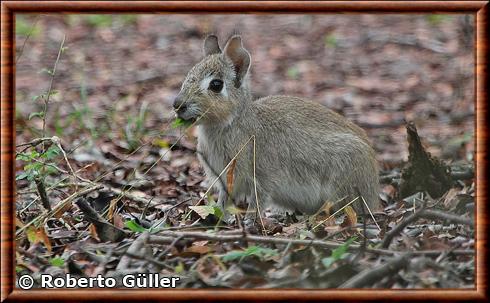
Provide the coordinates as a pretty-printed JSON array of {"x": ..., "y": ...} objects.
[
  {"x": 230, "y": 176},
  {"x": 198, "y": 249},
  {"x": 350, "y": 217},
  {"x": 93, "y": 232},
  {"x": 111, "y": 210},
  {"x": 38, "y": 235}
]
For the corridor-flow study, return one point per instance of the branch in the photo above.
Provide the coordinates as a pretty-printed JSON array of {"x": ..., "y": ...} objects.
[
  {"x": 369, "y": 277},
  {"x": 164, "y": 237},
  {"x": 426, "y": 214}
]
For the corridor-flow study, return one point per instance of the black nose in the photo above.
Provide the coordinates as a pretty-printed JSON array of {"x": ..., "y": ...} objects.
[{"x": 179, "y": 105}]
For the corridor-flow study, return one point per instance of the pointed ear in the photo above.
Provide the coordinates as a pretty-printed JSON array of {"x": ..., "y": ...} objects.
[
  {"x": 240, "y": 58},
  {"x": 211, "y": 45}
]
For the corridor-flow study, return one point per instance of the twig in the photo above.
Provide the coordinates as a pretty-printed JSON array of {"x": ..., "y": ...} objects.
[
  {"x": 34, "y": 142},
  {"x": 58, "y": 207},
  {"x": 149, "y": 260},
  {"x": 439, "y": 215},
  {"x": 369, "y": 210},
  {"x": 223, "y": 171},
  {"x": 143, "y": 200},
  {"x": 228, "y": 237},
  {"x": 57, "y": 184},
  {"x": 157, "y": 239},
  {"x": 370, "y": 276},
  {"x": 332, "y": 215},
  {"x": 264, "y": 232},
  {"x": 426, "y": 214},
  {"x": 46, "y": 98},
  {"x": 135, "y": 249},
  {"x": 42, "y": 193},
  {"x": 33, "y": 26},
  {"x": 398, "y": 229},
  {"x": 56, "y": 141}
]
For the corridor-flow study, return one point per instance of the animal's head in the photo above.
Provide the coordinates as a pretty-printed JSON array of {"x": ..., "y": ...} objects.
[{"x": 217, "y": 86}]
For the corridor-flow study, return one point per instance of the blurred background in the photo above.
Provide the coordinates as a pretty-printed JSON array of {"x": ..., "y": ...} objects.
[{"x": 117, "y": 75}]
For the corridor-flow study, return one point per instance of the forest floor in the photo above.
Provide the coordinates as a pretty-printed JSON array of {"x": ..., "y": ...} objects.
[{"x": 103, "y": 86}]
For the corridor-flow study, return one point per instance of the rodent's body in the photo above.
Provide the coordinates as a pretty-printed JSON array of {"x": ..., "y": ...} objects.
[{"x": 305, "y": 154}]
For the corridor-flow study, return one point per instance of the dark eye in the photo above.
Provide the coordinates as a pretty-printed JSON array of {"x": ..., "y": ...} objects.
[{"x": 216, "y": 85}]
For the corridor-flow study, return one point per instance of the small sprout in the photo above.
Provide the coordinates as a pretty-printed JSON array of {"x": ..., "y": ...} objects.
[
  {"x": 330, "y": 41},
  {"x": 180, "y": 122},
  {"x": 47, "y": 71},
  {"x": 338, "y": 253},
  {"x": 134, "y": 227},
  {"x": 293, "y": 72},
  {"x": 57, "y": 261},
  {"x": 36, "y": 114},
  {"x": 260, "y": 252}
]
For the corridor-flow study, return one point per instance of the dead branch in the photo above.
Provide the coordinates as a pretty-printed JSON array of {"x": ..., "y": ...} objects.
[
  {"x": 105, "y": 230},
  {"x": 42, "y": 193},
  {"x": 399, "y": 228},
  {"x": 427, "y": 214},
  {"x": 369, "y": 277},
  {"x": 58, "y": 207},
  {"x": 163, "y": 237},
  {"x": 135, "y": 249},
  {"x": 439, "y": 215}
]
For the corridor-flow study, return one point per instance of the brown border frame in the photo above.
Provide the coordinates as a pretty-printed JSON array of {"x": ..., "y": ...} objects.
[{"x": 9, "y": 8}]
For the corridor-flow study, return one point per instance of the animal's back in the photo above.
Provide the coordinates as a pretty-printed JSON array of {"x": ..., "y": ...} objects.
[{"x": 308, "y": 154}]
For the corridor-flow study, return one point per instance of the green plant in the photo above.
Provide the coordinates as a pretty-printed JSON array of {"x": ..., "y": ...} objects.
[
  {"x": 23, "y": 28},
  {"x": 38, "y": 164},
  {"x": 135, "y": 128},
  {"x": 57, "y": 261},
  {"x": 179, "y": 122},
  {"x": 338, "y": 253},
  {"x": 331, "y": 40},
  {"x": 260, "y": 252},
  {"x": 134, "y": 226},
  {"x": 100, "y": 20},
  {"x": 436, "y": 19},
  {"x": 293, "y": 72}
]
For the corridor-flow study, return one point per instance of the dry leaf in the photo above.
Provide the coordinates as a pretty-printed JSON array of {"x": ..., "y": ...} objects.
[
  {"x": 93, "y": 232},
  {"x": 111, "y": 210},
  {"x": 323, "y": 214},
  {"x": 230, "y": 176},
  {"x": 62, "y": 210},
  {"x": 36, "y": 235},
  {"x": 350, "y": 217}
]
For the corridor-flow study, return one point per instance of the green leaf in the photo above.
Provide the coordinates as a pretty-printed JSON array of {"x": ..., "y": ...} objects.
[
  {"x": 22, "y": 157},
  {"x": 179, "y": 268},
  {"x": 180, "y": 122},
  {"x": 22, "y": 176},
  {"x": 47, "y": 71},
  {"x": 25, "y": 29},
  {"x": 260, "y": 252},
  {"x": 234, "y": 255},
  {"x": 52, "y": 152},
  {"x": 100, "y": 20},
  {"x": 330, "y": 41},
  {"x": 293, "y": 72},
  {"x": 218, "y": 212},
  {"x": 36, "y": 114},
  {"x": 57, "y": 261},
  {"x": 338, "y": 253},
  {"x": 135, "y": 227}
]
